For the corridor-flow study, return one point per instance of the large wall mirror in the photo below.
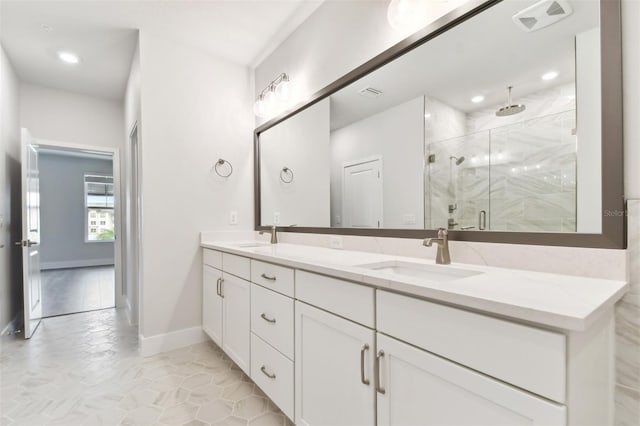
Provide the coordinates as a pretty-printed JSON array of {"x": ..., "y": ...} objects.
[{"x": 500, "y": 122}]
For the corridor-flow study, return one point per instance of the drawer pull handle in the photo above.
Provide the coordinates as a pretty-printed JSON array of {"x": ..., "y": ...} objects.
[
  {"x": 363, "y": 379},
  {"x": 264, "y": 371},
  {"x": 267, "y": 277},
  {"x": 221, "y": 287},
  {"x": 267, "y": 319},
  {"x": 218, "y": 286},
  {"x": 379, "y": 387}
]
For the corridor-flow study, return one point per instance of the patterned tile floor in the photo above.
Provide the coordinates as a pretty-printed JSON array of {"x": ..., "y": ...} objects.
[{"x": 85, "y": 369}]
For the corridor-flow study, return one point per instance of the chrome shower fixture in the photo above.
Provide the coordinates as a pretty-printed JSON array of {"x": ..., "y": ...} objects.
[
  {"x": 459, "y": 160},
  {"x": 510, "y": 108}
]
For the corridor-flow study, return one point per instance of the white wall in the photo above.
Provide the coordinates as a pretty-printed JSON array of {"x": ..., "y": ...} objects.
[
  {"x": 70, "y": 117},
  {"x": 62, "y": 212},
  {"x": 132, "y": 114},
  {"x": 196, "y": 108},
  {"x": 397, "y": 135},
  {"x": 302, "y": 144},
  {"x": 10, "y": 277}
]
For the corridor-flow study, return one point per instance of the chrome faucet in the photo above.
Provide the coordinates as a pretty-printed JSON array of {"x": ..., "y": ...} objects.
[
  {"x": 442, "y": 257},
  {"x": 274, "y": 234}
]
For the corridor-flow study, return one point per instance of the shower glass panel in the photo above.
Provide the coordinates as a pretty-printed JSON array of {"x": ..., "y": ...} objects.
[{"x": 516, "y": 177}]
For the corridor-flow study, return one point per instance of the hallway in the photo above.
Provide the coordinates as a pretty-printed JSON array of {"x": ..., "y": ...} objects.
[
  {"x": 85, "y": 369},
  {"x": 73, "y": 290}
]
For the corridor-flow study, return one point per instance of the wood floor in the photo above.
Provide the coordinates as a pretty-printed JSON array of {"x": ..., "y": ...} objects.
[{"x": 66, "y": 291}]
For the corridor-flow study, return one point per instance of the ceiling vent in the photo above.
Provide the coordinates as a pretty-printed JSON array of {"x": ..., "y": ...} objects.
[
  {"x": 542, "y": 14},
  {"x": 370, "y": 92}
]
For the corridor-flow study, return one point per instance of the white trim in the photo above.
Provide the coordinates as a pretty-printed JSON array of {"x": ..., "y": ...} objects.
[
  {"x": 84, "y": 263},
  {"x": 9, "y": 327},
  {"x": 172, "y": 340}
]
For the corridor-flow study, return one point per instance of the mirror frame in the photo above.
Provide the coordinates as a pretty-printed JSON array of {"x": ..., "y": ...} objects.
[{"x": 613, "y": 232}]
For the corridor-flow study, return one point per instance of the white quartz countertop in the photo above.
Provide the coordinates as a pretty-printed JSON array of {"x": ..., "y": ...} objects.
[{"x": 559, "y": 301}]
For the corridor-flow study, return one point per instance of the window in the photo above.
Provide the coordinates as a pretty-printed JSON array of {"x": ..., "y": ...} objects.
[{"x": 98, "y": 191}]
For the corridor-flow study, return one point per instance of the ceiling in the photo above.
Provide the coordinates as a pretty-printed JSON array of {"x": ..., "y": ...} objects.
[
  {"x": 104, "y": 34},
  {"x": 482, "y": 56}
]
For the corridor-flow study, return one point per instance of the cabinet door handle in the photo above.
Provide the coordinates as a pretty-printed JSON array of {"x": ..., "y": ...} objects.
[
  {"x": 221, "y": 287},
  {"x": 218, "y": 286},
  {"x": 363, "y": 379},
  {"x": 267, "y": 277},
  {"x": 267, "y": 319},
  {"x": 379, "y": 387},
  {"x": 264, "y": 371}
]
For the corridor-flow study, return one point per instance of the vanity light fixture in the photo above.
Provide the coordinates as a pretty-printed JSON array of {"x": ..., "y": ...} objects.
[
  {"x": 273, "y": 96},
  {"x": 549, "y": 75},
  {"x": 477, "y": 99},
  {"x": 68, "y": 57}
]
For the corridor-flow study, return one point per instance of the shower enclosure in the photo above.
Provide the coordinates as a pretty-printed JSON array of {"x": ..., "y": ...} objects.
[{"x": 516, "y": 177}]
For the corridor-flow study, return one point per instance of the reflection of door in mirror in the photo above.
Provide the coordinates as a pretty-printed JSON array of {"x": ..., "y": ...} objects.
[{"x": 362, "y": 194}]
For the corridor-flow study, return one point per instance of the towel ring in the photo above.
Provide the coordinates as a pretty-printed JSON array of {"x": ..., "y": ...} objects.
[
  {"x": 284, "y": 173},
  {"x": 218, "y": 165}
]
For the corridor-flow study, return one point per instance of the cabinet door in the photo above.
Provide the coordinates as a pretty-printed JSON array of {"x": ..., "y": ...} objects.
[
  {"x": 416, "y": 387},
  {"x": 236, "y": 311},
  {"x": 334, "y": 367},
  {"x": 211, "y": 304}
]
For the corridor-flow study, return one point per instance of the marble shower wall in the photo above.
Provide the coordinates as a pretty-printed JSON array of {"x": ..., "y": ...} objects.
[
  {"x": 627, "y": 395},
  {"x": 520, "y": 170}
]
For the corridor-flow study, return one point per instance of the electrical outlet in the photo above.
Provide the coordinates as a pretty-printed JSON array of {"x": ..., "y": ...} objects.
[
  {"x": 233, "y": 217},
  {"x": 335, "y": 242},
  {"x": 409, "y": 219},
  {"x": 276, "y": 218}
]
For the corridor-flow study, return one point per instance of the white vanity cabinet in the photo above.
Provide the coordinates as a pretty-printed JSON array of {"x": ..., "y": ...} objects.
[
  {"x": 416, "y": 387},
  {"x": 226, "y": 305},
  {"x": 330, "y": 351},
  {"x": 334, "y": 369}
]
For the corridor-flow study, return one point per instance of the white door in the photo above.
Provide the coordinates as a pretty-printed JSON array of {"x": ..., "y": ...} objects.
[
  {"x": 362, "y": 194},
  {"x": 236, "y": 313},
  {"x": 212, "y": 304},
  {"x": 334, "y": 367},
  {"x": 30, "y": 235},
  {"x": 418, "y": 388}
]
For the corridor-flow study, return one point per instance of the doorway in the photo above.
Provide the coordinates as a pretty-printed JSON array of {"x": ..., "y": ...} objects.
[
  {"x": 77, "y": 204},
  {"x": 362, "y": 193}
]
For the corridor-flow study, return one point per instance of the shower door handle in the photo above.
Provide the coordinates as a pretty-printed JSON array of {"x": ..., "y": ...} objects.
[{"x": 482, "y": 220}]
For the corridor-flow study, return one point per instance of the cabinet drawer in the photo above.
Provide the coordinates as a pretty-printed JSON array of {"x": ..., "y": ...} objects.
[
  {"x": 273, "y": 372},
  {"x": 272, "y": 318},
  {"x": 212, "y": 258},
  {"x": 236, "y": 265},
  {"x": 344, "y": 298},
  {"x": 277, "y": 278},
  {"x": 524, "y": 356}
]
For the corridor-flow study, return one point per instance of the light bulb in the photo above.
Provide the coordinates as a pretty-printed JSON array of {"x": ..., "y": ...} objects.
[
  {"x": 407, "y": 14},
  {"x": 283, "y": 90},
  {"x": 270, "y": 102},
  {"x": 259, "y": 107}
]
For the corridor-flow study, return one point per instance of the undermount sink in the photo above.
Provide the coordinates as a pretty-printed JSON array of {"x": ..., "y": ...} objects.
[{"x": 420, "y": 270}]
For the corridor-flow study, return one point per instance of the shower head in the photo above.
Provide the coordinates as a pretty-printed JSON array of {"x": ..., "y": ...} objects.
[
  {"x": 459, "y": 160},
  {"x": 510, "y": 109}
]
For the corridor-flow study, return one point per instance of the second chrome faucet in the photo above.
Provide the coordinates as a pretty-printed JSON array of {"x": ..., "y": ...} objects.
[{"x": 442, "y": 257}]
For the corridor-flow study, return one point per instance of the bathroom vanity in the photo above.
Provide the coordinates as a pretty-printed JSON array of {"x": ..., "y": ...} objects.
[{"x": 345, "y": 337}]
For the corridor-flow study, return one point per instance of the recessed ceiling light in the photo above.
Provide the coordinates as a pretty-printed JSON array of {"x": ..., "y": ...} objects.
[
  {"x": 68, "y": 58},
  {"x": 477, "y": 99},
  {"x": 550, "y": 75},
  {"x": 427, "y": 116},
  {"x": 45, "y": 27}
]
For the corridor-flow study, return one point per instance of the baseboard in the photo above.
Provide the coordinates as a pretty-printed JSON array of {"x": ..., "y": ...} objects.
[
  {"x": 8, "y": 328},
  {"x": 63, "y": 264},
  {"x": 170, "y": 341}
]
